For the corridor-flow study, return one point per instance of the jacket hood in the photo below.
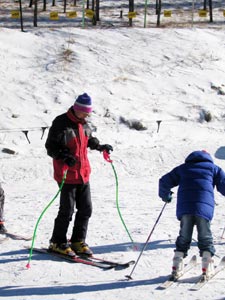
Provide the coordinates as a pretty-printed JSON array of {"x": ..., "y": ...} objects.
[{"x": 198, "y": 156}]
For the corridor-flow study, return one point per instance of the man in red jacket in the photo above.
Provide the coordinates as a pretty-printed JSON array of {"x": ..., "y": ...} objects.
[{"x": 67, "y": 142}]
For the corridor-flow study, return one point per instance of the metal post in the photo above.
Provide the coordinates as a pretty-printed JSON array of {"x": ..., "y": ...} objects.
[
  {"x": 192, "y": 15},
  {"x": 83, "y": 11},
  {"x": 145, "y": 13}
]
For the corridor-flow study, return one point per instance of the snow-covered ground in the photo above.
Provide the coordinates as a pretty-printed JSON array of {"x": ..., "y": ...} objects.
[{"x": 168, "y": 79}]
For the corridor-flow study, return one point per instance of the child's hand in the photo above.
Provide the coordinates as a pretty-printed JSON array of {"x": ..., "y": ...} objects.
[{"x": 168, "y": 199}]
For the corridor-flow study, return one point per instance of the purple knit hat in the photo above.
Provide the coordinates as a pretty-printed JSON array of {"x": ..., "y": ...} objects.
[{"x": 83, "y": 103}]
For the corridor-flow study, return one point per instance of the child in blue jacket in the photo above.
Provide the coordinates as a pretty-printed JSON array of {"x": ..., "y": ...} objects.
[{"x": 196, "y": 179}]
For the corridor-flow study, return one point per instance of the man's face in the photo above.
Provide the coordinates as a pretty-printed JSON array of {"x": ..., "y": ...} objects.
[{"x": 82, "y": 115}]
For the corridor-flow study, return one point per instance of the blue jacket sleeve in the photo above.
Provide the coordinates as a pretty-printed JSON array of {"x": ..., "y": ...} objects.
[
  {"x": 219, "y": 180},
  {"x": 167, "y": 182}
]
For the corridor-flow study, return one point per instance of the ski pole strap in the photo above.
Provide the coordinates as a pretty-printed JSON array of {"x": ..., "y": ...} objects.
[
  {"x": 108, "y": 159},
  {"x": 65, "y": 169},
  {"x": 106, "y": 156}
]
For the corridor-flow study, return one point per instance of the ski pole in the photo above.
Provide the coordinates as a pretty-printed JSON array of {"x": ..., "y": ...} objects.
[
  {"x": 107, "y": 158},
  {"x": 41, "y": 215},
  {"x": 129, "y": 276}
]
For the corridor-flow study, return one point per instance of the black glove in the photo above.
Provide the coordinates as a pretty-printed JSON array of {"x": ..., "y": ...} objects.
[
  {"x": 69, "y": 160},
  {"x": 93, "y": 143},
  {"x": 105, "y": 147},
  {"x": 168, "y": 199},
  {"x": 62, "y": 153}
]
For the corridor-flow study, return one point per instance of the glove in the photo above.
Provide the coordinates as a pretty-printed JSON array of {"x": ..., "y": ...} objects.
[
  {"x": 93, "y": 143},
  {"x": 62, "y": 153},
  {"x": 105, "y": 147},
  {"x": 168, "y": 199},
  {"x": 69, "y": 160}
]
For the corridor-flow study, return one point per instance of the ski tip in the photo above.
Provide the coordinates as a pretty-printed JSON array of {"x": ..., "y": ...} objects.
[
  {"x": 124, "y": 266},
  {"x": 161, "y": 288},
  {"x": 128, "y": 277}
]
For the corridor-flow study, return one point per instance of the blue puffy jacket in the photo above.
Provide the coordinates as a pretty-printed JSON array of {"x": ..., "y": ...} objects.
[{"x": 196, "y": 179}]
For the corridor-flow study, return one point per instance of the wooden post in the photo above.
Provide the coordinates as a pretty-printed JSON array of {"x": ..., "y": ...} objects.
[
  {"x": 35, "y": 12},
  {"x": 93, "y": 5},
  {"x": 210, "y": 11},
  {"x": 204, "y": 5},
  {"x": 93, "y": 8},
  {"x": 64, "y": 10},
  {"x": 156, "y": 7},
  {"x": 44, "y": 5},
  {"x": 131, "y": 9},
  {"x": 21, "y": 16},
  {"x": 159, "y": 12},
  {"x": 97, "y": 12}
]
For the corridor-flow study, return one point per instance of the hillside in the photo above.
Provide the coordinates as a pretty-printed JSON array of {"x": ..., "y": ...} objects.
[{"x": 167, "y": 79}]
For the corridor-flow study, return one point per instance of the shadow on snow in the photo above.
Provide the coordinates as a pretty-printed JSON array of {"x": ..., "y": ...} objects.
[
  {"x": 10, "y": 291},
  {"x": 123, "y": 247}
]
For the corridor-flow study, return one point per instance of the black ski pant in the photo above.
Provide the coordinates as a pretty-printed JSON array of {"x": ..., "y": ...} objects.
[{"x": 71, "y": 195}]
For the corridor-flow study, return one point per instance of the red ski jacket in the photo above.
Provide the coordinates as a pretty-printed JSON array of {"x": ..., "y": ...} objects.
[{"x": 68, "y": 133}]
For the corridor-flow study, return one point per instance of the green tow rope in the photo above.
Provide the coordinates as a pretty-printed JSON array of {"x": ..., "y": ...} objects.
[
  {"x": 107, "y": 158},
  {"x": 41, "y": 215}
]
